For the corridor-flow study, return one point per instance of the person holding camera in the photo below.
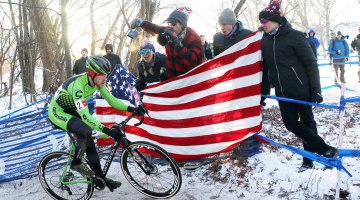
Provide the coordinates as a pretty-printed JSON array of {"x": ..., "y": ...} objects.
[
  {"x": 355, "y": 45},
  {"x": 182, "y": 44},
  {"x": 339, "y": 51}
]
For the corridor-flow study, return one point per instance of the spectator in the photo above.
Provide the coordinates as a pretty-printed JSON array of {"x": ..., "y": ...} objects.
[
  {"x": 232, "y": 31},
  {"x": 6, "y": 89},
  {"x": 182, "y": 43},
  {"x": 80, "y": 64},
  {"x": 291, "y": 67},
  {"x": 332, "y": 34},
  {"x": 312, "y": 45},
  {"x": 150, "y": 65},
  {"x": 355, "y": 45},
  {"x": 113, "y": 58},
  {"x": 339, "y": 51},
  {"x": 314, "y": 40},
  {"x": 206, "y": 49}
]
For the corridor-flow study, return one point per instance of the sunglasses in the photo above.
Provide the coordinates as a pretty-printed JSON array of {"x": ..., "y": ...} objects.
[
  {"x": 144, "y": 51},
  {"x": 264, "y": 21},
  {"x": 172, "y": 23}
]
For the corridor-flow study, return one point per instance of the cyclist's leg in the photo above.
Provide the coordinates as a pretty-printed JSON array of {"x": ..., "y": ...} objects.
[{"x": 85, "y": 144}]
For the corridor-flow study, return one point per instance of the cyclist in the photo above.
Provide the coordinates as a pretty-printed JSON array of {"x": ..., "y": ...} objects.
[{"x": 69, "y": 111}]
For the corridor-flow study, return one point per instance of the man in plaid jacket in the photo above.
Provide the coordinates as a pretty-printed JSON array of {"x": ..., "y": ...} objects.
[{"x": 182, "y": 44}]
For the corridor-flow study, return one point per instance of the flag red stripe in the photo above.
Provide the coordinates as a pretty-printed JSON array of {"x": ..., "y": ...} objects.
[
  {"x": 211, "y": 138},
  {"x": 202, "y": 120},
  {"x": 229, "y": 75},
  {"x": 217, "y": 62},
  {"x": 209, "y": 100},
  {"x": 204, "y": 101}
]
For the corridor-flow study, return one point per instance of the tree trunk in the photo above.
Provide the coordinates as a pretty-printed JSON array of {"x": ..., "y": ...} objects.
[
  {"x": 112, "y": 28},
  {"x": 46, "y": 38},
  {"x": 93, "y": 29},
  {"x": 147, "y": 12},
  {"x": 65, "y": 39},
  {"x": 238, "y": 7}
]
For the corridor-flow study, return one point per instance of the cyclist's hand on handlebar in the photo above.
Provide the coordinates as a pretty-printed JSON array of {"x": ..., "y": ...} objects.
[{"x": 114, "y": 132}]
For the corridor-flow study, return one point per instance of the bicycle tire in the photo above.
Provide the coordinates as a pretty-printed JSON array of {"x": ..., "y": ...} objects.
[
  {"x": 51, "y": 169},
  {"x": 161, "y": 180}
]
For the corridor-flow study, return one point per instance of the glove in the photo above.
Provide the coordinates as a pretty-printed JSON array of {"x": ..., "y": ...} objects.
[
  {"x": 170, "y": 33},
  {"x": 173, "y": 38},
  {"x": 162, "y": 75},
  {"x": 316, "y": 98},
  {"x": 136, "y": 23},
  {"x": 346, "y": 59},
  {"x": 114, "y": 132},
  {"x": 137, "y": 110},
  {"x": 163, "y": 39}
]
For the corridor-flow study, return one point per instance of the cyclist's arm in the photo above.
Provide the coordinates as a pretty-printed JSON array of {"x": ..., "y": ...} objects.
[
  {"x": 83, "y": 110},
  {"x": 113, "y": 101}
]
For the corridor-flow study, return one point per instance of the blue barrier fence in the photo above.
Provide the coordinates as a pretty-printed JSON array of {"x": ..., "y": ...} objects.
[{"x": 26, "y": 135}]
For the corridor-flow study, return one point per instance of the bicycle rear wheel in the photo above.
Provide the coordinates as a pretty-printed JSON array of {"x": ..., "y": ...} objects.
[
  {"x": 59, "y": 181},
  {"x": 151, "y": 170}
]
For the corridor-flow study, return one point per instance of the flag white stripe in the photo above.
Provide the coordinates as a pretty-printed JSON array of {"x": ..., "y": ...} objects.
[
  {"x": 190, "y": 150},
  {"x": 212, "y": 109},
  {"x": 209, "y": 74},
  {"x": 193, "y": 131}
]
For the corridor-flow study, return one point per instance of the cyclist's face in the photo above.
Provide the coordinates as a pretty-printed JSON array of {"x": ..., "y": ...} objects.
[{"x": 100, "y": 79}]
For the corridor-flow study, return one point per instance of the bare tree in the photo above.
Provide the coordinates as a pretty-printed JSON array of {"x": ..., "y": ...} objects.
[
  {"x": 324, "y": 9},
  {"x": 46, "y": 37},
  {"x": 146, "y": 12},
  {"x": 238, "y": 7},
  {"x": 65, "y": 39},
  {"x": 301, "y": 10},
  {"x": 93, "y": 29}
]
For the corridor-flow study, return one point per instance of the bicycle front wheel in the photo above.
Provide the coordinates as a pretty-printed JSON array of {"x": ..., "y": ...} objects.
[
  {"x": 59, "y": 181},
  {"x": 151, "y": 170}
]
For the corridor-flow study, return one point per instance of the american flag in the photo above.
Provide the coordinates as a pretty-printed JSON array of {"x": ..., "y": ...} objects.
[
  {"x": 206, "y": 111},
  {"x": 121, "y": 82}
]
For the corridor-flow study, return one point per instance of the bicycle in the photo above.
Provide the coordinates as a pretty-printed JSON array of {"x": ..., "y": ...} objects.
[{"x": 147, "y": 167}]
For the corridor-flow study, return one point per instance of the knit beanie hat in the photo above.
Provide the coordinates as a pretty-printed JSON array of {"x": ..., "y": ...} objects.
[
  {"x": 338, "y": 33},
  {"x": 272, "y": 12},
  {"x": 227, "y": 16},
  {"x": 180, "y": 15},
  {"x": 147, "y": 45}
]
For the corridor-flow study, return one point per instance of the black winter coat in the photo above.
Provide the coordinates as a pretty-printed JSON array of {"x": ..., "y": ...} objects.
[
  {"x": 221, "y": 43},
  {"x": 150, "y": 74},
  {"x": 289, "y": 64},
  {"x": 80, "y": 66}
]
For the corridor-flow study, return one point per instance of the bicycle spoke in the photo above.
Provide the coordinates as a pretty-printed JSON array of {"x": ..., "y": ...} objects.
[
  {"x": 60, "y": 183},
  {"x": 151, "y": 170}
]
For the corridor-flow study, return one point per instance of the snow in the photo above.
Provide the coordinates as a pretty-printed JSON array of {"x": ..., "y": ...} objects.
[{"x": 271, "y": 174}]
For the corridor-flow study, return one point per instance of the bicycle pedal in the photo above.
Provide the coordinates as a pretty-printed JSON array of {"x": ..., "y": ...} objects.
[{"x": 99, "y": 183}]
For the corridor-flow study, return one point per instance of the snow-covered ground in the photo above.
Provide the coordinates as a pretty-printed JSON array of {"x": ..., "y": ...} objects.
[{"x": 271, "y": 174}]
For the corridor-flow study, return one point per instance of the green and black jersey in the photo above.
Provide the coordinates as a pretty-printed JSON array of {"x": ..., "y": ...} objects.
[{"x": 70, "y": 100}]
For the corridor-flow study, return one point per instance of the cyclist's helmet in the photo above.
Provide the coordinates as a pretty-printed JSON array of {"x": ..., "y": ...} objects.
[{"x": 98, "y": 64}]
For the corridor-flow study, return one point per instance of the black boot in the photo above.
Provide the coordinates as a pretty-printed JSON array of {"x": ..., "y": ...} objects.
[
  {"x": 331, "y": 152},
  {"x": 111, "y": 184},
  {"x": 306, "y": 164}
]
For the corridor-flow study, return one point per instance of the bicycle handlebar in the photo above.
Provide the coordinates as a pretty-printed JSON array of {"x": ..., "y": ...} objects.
[{"x": 145, "y": 111}]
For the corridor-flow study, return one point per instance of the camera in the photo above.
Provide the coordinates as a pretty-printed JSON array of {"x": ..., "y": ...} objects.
[{"x": 132, "y": 34}]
